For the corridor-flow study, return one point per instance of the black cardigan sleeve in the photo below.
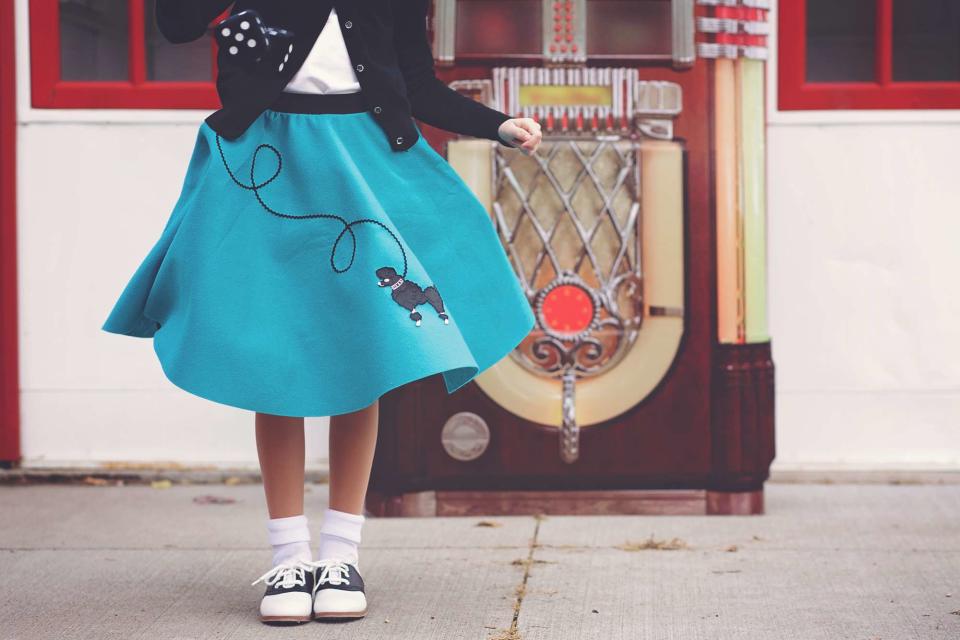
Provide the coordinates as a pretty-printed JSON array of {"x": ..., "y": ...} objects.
[
  {"x": 431, "y": 100},
  {"x": 186, "y": 20}
]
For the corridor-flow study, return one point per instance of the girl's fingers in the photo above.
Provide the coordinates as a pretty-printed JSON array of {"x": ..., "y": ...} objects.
[
  {"x": 526, "y": 133},
  {"x": 532, "y": 140}
]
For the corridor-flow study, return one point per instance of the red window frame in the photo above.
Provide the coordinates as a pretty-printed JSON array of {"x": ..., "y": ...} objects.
[
  {"x": 795, "y": 93},
  {"x": 9, "y": 335},
  {"x": 48, "y": 91}
]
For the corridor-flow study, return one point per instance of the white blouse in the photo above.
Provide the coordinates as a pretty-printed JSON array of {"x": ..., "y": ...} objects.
[{"x": 327, "y": 68}]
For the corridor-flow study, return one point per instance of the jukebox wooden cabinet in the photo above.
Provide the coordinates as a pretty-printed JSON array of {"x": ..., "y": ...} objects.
[{"x": 638, "y": 233}]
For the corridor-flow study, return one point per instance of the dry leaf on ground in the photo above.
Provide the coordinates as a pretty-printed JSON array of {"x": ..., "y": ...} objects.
[{"x": 651, "y": 543}]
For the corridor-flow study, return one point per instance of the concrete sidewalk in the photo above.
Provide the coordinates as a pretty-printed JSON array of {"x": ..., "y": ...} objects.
[{"x": 831, "y": 562}]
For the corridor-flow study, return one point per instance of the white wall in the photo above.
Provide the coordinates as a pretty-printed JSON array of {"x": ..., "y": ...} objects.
[
  {"x": 864, "y": 222},
  {"x": 93, "y": 200},
  {"x": 863, "y": 298}
]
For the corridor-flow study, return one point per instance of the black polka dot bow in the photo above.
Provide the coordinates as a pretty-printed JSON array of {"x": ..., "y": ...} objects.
[{"x": 245, "y": 40}]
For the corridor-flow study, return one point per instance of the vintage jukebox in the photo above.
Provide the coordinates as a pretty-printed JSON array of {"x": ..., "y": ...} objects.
[{"x": 638, "y": 233}]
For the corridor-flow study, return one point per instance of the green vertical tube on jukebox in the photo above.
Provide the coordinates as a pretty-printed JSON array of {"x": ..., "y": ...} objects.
[{"x": 752, "y": 161}]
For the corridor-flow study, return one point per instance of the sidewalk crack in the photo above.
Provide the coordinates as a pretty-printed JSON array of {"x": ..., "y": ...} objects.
[{"x": 521, "y": 590}]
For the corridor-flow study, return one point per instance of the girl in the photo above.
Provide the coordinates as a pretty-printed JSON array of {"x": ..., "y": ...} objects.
[{"x": 322, "y": 253}]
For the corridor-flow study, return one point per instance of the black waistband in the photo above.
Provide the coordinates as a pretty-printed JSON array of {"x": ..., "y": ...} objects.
[{"x": 320, "y": 103}]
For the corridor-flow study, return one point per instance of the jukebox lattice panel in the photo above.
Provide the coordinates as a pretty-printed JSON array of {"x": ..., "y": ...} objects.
[
  {"x": 572, "y": 220},
  {"x": 574, "y": 238},
  {"x": 637, "y": 232}
]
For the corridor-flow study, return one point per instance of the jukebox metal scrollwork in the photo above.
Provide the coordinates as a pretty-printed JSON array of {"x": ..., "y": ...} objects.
[{"x": 572, "y": 219}]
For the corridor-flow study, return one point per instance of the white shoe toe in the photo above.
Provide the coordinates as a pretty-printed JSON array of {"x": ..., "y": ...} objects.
[
  {"x": 295, "y": 605},
  {"x": 337, "y": 602}
]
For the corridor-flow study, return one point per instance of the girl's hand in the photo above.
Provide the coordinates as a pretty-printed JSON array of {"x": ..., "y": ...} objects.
[{"x": 523, "y": 133}]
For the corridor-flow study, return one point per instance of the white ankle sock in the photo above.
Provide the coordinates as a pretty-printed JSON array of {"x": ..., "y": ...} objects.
[
  {"x": 340, "y": 536},
  {"x": 290, "y": 539}
]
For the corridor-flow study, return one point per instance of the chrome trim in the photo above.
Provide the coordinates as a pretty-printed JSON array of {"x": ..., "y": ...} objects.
[
  {"x": 752, "y": 4},
  {"x": 656, "y": 128},
  {"x": 755, "y": 53},
  {"x": 657, "y": 103},
  {"x": 569, "y": 430},
  {"x": 465, "y": 436},
  {"x": 756, "y": 28},
  {"x": 717, "y": 25},
  {"x": 683, "y": 49},
  {"x": 669, "y": 312},
  {"x": 483, "y": 86},
  {"x": 574, "y": 280},
  {"x": 444, "y": 31},
  {"x": 658, "y": 98},
  {"x": 714, "y": 50},
  {"x": 729, "y": 25}
]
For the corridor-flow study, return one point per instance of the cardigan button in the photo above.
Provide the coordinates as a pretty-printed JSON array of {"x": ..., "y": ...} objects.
[
  {"x": 377, "y": 109},
  {"x": 400, "y": 140},
  {"x": 348, "y": 24},
  {"x": 359, "y": 67}
]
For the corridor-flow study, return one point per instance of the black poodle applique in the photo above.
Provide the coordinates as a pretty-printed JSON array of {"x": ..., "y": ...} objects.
[
  {"x": 405, "y": 293},
  {"x": 409, "y": 295}
]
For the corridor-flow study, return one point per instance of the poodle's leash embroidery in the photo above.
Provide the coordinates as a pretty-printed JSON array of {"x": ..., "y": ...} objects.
[
  {"x": 255, "y": 187},
  {"x": 405, "y": 293}
]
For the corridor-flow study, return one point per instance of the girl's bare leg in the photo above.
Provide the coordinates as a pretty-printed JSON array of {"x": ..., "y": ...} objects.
[
  {"x": 281, "y": 451},
  {"x": 353, "y": 438}
]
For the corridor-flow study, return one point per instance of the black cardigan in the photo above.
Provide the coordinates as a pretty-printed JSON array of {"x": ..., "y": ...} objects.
[{"x": 387, "y": 44}]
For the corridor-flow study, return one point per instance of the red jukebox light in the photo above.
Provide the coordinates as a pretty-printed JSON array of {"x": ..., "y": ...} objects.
[
  {"x": 637, "y": 231},
  {"x": 567, "y": 310}
]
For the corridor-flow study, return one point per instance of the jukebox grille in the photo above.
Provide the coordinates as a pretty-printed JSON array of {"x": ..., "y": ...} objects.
[
  {"x": 569, "y": 216},
  {"x": 572, "y": 220}
]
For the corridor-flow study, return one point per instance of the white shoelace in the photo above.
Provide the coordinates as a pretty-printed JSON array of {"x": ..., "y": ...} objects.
[
  {"x": 332, "y": 571},
  {"x": 289, "y": 575}
]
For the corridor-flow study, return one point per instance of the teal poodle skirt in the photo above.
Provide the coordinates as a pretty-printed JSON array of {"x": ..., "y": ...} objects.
[{"x": 307, "y": 268}]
